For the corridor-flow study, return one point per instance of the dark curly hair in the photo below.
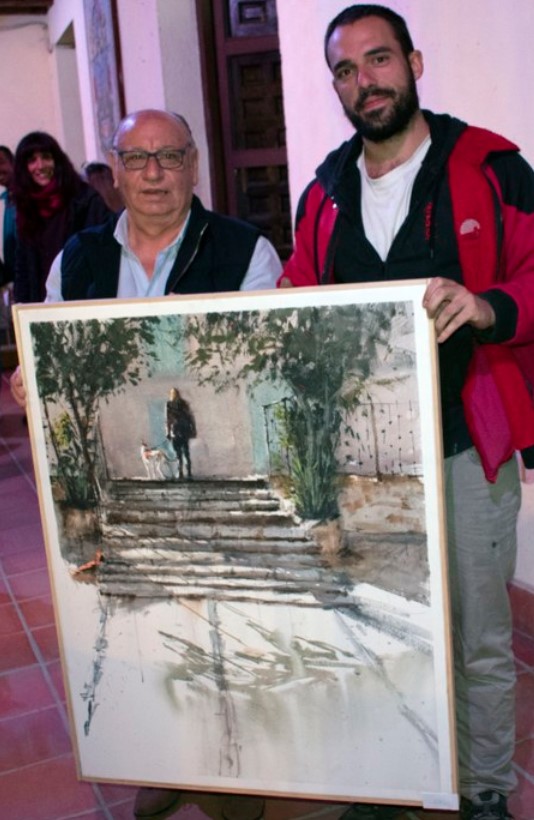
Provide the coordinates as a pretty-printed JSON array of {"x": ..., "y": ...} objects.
[
  {"x": 361, "y": 10},
  {"x": 7, "y": 152}
]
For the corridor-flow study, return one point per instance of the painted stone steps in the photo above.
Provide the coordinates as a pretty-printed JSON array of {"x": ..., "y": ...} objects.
[
  {"x": 197, "y": 489},
  {"x": 310, "y": 588},
  {"x": 192, "y": 548},
  {"x": 224, "y": 540},
  {"x": 252, "y": 518},
  {"x": 169, "y": 501}
]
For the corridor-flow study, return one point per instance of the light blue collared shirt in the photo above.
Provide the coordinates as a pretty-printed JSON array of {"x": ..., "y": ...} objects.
[{"x": 133, "y": 279}]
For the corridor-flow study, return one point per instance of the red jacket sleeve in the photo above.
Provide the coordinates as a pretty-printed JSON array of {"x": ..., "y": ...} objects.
[{"x": 316, "y": 216}]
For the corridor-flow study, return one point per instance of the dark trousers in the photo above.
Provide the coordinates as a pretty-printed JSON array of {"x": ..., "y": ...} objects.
[{"x": 181, "y": 448}]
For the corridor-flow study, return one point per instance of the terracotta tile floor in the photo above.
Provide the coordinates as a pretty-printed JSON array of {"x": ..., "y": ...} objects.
[{"x": 37, "y": 769}]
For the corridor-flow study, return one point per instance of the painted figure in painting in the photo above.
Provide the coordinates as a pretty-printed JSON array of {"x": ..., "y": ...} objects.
[
  {"x": 181, "y": 427},
  {"x": 414, "y": 194}
]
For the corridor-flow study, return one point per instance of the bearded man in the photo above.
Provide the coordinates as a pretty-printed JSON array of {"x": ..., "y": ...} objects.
[{"x": 419, "y": 195}]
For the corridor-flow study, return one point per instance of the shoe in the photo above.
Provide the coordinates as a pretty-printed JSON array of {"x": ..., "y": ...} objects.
[
  {"x": 485, "y": 806},
  {"x": 366, "y": 811},
  {"x": 155, "y": 803},
  {"x": 242, "y": 807}
]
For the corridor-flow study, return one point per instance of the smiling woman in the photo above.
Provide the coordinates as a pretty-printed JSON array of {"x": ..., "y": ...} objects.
[
  {"x": 41, "y": 167},
  {"x": 52, "y": 202}
]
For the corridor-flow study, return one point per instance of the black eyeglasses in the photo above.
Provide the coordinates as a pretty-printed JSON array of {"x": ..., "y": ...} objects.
[{"x": 171, "y": 159}]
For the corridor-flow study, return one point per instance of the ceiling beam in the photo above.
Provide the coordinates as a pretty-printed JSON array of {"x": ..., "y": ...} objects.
[{"x": 12, "y": 7}]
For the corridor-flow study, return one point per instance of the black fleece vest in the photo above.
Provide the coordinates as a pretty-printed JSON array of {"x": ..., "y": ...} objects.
[{"x": 214, "y": 257}]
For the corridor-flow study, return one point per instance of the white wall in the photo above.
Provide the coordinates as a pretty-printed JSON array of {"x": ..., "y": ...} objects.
[
  {"x": 182, "y": 76},
  {"x": 161, "y": 67},
  {"x": 44, "y": 87},
  {"x": 68, "y": 85},
  {"x": 161, "y": 64},
  {"x": 63, "y": 14},
  {"x": 479, "y": 66},
  {"x": 27, "y": 100},
  {"x": 140, "y": 49},
  {"x": 160, "y": 61}
]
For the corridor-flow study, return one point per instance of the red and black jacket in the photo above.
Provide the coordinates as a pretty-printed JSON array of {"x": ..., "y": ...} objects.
[{"x": 471, "y": 219}]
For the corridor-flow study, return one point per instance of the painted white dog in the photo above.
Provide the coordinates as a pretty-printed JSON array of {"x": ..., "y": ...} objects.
[{"x": 157, "y": 463}]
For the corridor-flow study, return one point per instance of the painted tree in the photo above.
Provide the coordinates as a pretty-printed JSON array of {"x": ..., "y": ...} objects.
[
  {"x": 79, "y": 365},
  {"x": 323, "y": 355}
]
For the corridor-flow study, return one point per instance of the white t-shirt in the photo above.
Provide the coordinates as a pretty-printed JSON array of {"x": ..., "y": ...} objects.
[{"x": 386, "y": 200}]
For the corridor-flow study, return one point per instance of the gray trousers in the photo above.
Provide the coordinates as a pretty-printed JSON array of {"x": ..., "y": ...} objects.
[{"x": 482, "y": 546}]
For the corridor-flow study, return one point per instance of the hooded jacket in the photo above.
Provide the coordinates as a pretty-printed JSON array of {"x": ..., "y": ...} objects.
[{"x": 471, "y": 219}]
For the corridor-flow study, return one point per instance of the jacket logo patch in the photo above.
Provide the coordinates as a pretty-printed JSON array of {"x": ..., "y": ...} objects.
[{"x": 470, "y": 228}]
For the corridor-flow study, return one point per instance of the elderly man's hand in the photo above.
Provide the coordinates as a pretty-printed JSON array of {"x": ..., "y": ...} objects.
[
  {"x": 451, "y": 306},
  {"x": 17, "y": 388}
]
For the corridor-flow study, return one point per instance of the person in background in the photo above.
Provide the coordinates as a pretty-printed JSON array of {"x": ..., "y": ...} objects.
[
  {"x": 8, "y": 234},
  {"x": 415, "y": 195},
  {"x": 8, "y": 239},
  {"x": 100, "y": 176},
  {"x": 53, "y": 203}
]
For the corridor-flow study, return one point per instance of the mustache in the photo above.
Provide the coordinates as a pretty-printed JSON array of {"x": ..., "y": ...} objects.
[{"x": 372, "y": 91}]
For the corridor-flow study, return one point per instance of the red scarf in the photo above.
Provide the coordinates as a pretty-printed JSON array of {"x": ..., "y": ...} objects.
[{"x": 48, "y": 199}]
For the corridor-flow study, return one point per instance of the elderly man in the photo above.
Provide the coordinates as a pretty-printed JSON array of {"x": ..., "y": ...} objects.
[{"x": 163, "y": 242}]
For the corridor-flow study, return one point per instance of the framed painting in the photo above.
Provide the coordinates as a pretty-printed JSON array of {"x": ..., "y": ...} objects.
[
  {"x": 242, "y": 504},
  {"x": 103, "y": 49}
]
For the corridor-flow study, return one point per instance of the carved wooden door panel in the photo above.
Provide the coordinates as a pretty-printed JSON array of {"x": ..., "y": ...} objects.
[{"x": 246, "y": 128}]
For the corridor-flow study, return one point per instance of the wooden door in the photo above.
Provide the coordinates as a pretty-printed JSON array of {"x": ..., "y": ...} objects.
[{"x": 246, "y": 130}]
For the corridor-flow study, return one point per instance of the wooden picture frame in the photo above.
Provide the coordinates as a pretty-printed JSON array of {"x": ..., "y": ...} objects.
[
  {"x": 103, "y": 48},
  {"x": 278, "y": 622}
]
